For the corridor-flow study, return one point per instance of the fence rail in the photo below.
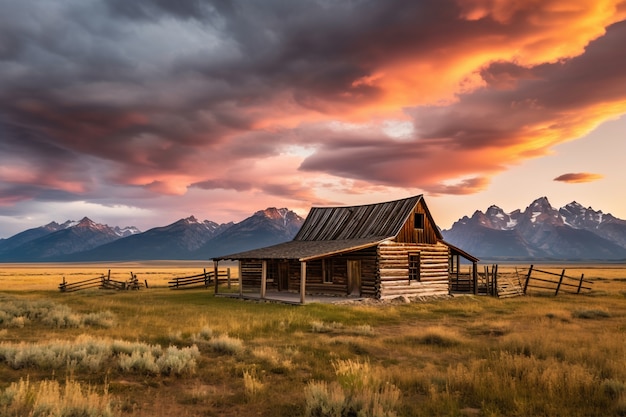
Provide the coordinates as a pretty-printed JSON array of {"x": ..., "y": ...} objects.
[
  {"x": 501, "y": 284},
  {"x": 557, "y": 282},
  {"x": 103, "y": 282},
  {"x": 203, "y": 279}
]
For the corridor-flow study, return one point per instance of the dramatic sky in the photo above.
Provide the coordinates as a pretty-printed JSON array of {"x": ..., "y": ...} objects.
[{"x": 143, "y": 112}]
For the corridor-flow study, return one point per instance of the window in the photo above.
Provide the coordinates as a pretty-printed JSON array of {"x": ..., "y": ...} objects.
[
  {"x": 414, "y": 267},
  {"x": 418, "y": 221},
  {"x": 327, "y": 270}
]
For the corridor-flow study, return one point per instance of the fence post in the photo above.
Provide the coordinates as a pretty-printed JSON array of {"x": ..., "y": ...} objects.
[
  {"x": 475, "y": 277},
  {"x": 228, "y": 276},
  {"x": 559, "y": 284},
  {"x": 530, "y": 270},
  {"x": 495, "y": 280},
  {"x": 580, "y": 284},
  {"x": 487, "y": 279},
  {"x": 206, "y": 279},
  {"x": 216, "y": 275},
  {"x": 240, "y": 279}
]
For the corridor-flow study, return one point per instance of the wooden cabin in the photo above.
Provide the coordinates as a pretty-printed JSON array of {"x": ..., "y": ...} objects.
[{"x": 381, "y": 250}]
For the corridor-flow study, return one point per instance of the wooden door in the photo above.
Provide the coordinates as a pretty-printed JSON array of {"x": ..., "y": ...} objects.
[
  {"x": 283, "y": 276},
  {"x": 354, "y": 277}
]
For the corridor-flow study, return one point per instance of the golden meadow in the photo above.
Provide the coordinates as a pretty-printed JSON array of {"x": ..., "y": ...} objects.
[{"x": 158, "y": 352}]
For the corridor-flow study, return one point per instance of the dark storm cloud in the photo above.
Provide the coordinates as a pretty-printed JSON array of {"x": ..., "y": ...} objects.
[
  {"x": 524, "y": 108},
  {"x": 163, "y": 94},
  {"x": 140, "y": 9}
]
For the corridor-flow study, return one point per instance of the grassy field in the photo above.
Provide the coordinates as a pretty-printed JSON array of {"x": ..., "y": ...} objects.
[{"x": 157, "y": 352}]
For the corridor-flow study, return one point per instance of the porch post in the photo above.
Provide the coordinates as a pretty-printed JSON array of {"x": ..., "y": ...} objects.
[
  {"x": 240, "y": 281},
  {"x": 302, "y": 281},
  {"x": 475, "y": 277},
  {"x": 216, "y": 274},
  {"x": 263, "y": 278}
]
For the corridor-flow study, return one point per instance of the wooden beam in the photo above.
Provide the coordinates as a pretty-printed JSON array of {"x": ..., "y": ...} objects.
[
  {"x": 582, "y": 277},
  {"x": 475, "y": 277},
  {"x": 216, "y": 274},
  {"x": 559, "y": 284},
  {"x": 530, "y": 270},
  {"x": 263, "y": 278},
  {"x": 302, "y": 281},
  {"x": 240, "y": 281}
]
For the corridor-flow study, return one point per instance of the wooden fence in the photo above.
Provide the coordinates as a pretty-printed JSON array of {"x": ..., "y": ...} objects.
[
  {"x": 200, "y": 280},
  {"x": 103, "y": 282},
  {"x": 555, "y": 282},
  {"x": 497, "y": 283},
  {"x": 488, "y": 282}
]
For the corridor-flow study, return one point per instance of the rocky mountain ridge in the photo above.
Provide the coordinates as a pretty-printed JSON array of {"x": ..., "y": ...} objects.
[
  {"x": 188, "y": 238},
  {"x": 541, "y": 231}
]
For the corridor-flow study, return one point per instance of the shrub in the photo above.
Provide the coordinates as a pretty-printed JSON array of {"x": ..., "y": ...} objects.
[
  {"x": 18, "y": 313},
  {"x": 226, "y": 344},
  {"x": 590, "y": 314},
  {"x": 139, "y": 362},
  {"x": 360, "y": 391},
  {"x": 251, "y": 383},
  {"x": 93, "y": 354},
  {"x": 50, "y": 399},
  {"x": 178, "y": 361},
  {"x": 324, "y": 400}
]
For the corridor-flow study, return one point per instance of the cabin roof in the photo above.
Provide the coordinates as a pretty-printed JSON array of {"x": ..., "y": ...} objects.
[
  {"x": 357, "y": 222},
  {"x": 306, "y": 250},
  {"x": 335, "y": 230},
  {"x": 458, "y": 251}
]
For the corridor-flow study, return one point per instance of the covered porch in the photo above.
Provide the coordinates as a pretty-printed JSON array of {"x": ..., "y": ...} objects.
[
  {"x": 462, "y": 280},
  {"x": 301, "y": 272}
]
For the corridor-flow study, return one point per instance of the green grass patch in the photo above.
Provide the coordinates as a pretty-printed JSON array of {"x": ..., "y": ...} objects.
[{"x": 548, "y": 356}]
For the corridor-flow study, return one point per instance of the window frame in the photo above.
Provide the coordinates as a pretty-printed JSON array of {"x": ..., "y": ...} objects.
[
  {"x": 418, "y": 221},
  {"x": 414, "y": 266}
]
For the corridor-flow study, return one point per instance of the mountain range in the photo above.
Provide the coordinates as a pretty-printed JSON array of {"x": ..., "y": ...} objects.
[
  {"x": 541, "y": 232},
  {"x": 186, "y": 239}
]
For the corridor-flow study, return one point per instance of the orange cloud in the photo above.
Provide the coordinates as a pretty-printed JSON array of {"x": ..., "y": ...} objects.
[{"x": 578, "y": 177}]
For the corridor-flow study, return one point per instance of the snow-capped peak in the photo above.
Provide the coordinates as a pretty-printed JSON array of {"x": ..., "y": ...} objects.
[
  {"x": 191, "y": 219},
  {"x": 126, "y": 231},
  {"x": 577, "y": 216}
]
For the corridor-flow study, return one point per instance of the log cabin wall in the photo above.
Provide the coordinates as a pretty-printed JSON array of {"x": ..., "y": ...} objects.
[
  {"x": 393, "y": 263},
  {"x": 412, "y": 234},
  {"x": 251, "y": 274},
  {"x": 339, "y": 286}
]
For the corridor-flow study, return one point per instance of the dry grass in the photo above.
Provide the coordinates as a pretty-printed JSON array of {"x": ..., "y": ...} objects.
[{"x": 536, "y": 355}]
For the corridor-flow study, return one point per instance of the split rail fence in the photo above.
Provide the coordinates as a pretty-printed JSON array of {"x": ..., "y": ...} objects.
[
  {"x": 203, "y": 279},
  {"x": 104, "y": 282},
  {"x": 488, "y": 282},
  {"x": 555, "y": 282},
  {"x": 514, "y": 284}
]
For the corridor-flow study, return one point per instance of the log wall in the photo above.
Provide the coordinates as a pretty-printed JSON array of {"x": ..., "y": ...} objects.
[
  {"x": 385, "y": 277},
  {"x": 394, "y": 270}
]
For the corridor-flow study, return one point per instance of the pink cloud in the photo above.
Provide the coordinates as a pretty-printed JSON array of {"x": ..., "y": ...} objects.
[{"x": 578, "y": 177}]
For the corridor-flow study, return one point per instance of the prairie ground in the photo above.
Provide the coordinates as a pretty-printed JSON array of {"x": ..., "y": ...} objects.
[{"x": 158, "y": 352}]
